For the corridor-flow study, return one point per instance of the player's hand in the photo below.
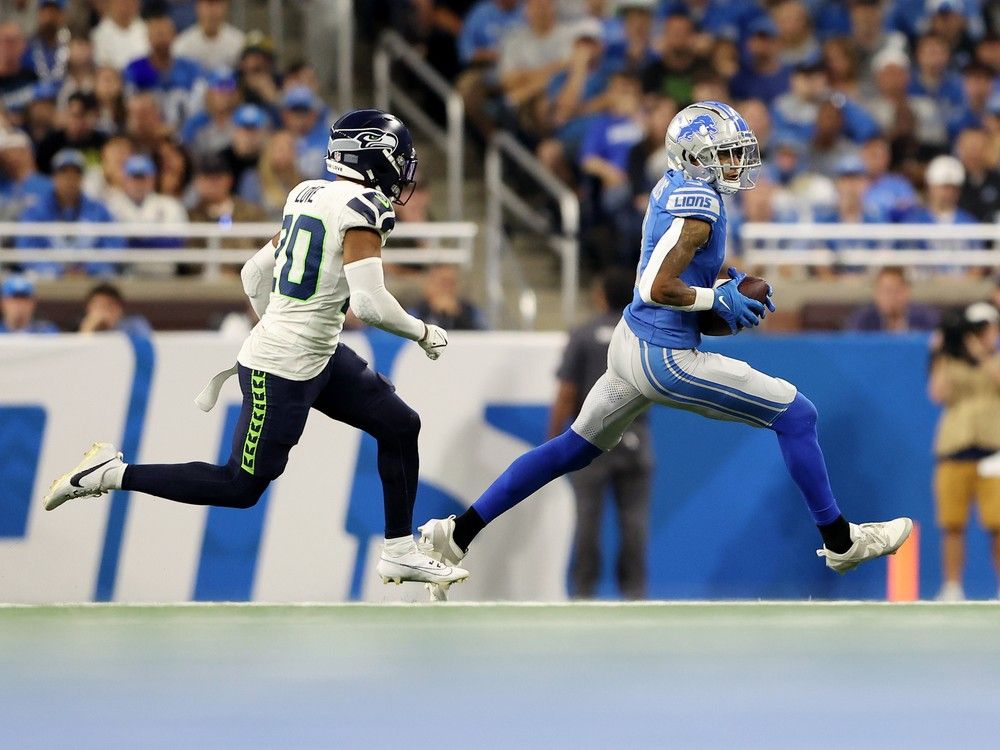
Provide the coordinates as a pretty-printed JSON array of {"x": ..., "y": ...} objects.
[
  {"x": 738, "y": 276},
  {"x": 736, "y": 309},
  {"x": 434, "y": 341}
]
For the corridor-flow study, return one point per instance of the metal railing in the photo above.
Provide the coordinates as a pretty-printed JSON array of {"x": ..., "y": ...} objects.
[
  {"x": 337, "y": 15},
  {"x": 871, "y": 245},
  {"x": 392, "y": 48},
  {"x": 460, "y": 238},
  {"x": 500, "y": 196}
]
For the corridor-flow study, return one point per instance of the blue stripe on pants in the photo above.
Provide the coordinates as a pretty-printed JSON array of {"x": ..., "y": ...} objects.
[{"x": 686, "y": 393}]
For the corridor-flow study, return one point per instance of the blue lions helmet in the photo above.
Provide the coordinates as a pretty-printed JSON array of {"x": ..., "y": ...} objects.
[
  {"x": 376, "y": 149},
  {"x": 711, "y": 141}
]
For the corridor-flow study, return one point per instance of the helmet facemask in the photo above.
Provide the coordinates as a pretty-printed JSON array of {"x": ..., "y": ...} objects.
[{"x": 734, "y": 166}]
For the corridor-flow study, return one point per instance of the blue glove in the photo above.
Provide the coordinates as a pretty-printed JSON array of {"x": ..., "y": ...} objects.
[
  {"x": 738, "y": 277},
  {"x": 736, "y": 309}
]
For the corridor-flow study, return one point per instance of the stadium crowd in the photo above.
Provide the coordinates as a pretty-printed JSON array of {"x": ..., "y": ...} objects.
[
  {"x": 866, "y": 110},
  {"x": 152, "y": 113}
]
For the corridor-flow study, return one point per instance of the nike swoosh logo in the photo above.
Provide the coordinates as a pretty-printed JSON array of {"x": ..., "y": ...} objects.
[
  {"x": 75, "y": 479},
  {"x": 723, "y": 301}
]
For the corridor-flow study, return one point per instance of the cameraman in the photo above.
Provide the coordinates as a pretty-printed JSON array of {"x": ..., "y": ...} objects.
[{"x": 965, "y": 380}]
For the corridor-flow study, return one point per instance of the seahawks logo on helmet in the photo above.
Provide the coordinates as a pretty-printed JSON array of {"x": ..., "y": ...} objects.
[
  {"x": 363, "y": 140},
  {"x": 694, "y": 128}
]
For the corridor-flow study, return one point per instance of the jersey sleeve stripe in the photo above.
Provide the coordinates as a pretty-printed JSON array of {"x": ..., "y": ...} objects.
[
  {"x": 663, "y": 246},
  {"x": 363, "y": 208}
]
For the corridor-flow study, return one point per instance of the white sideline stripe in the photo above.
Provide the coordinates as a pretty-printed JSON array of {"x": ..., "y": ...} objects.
[
  {"x": 663, "y": 247},
  {"x": 653, "y": 604}
]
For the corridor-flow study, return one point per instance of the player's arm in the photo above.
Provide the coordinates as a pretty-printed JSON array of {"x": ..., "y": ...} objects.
[
  {"x": 373, "y": 303},
  {"x": 256, "y": 275},
  {"x": 660, "y": 283}
]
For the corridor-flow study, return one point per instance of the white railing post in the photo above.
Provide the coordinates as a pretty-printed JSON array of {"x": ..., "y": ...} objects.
[{"x": 493, "y": 169}]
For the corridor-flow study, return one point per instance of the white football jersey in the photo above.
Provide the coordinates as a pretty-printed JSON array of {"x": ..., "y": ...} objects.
[{"x": 309, "y": 292}]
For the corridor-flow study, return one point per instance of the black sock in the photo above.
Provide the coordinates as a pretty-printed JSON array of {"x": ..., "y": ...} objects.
[
  {"x": 467, "y": 526},
  {"x": 836, "y": 535}
]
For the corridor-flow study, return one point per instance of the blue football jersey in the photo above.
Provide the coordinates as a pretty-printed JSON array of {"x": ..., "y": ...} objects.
[{"x": 677, "y": 197}]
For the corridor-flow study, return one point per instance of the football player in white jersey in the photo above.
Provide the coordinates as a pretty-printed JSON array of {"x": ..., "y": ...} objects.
[{"x": 326, "y": 257}]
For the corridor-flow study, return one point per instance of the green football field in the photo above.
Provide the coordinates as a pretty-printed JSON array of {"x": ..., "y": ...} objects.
[{"x": 741, "y": 675}]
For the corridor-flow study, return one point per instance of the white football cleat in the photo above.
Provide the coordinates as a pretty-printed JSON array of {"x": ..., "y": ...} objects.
[
  {"x": 437, "y": 540},
  {"x": 89, "y": 478},
  {"x": 871, "y": 540},
  {"x": 416, "y": 566}
]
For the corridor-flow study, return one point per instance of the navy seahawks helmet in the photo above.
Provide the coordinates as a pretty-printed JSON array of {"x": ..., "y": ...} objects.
[{"x": 375, "y": 148}]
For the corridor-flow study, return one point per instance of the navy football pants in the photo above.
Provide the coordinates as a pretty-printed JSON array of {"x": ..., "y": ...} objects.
[{"x": 273, "y": 416}]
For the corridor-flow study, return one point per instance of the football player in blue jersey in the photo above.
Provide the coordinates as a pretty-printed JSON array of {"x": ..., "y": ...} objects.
[{"x": 654, "y": 358}]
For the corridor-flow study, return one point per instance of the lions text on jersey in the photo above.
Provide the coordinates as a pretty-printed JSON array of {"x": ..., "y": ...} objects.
[
  {"x": 677, "y": 197},
  {"x": 309, "y": 291}
]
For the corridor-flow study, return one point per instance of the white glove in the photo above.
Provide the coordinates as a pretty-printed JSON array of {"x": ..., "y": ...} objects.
[{"x": 434, "y": 341}]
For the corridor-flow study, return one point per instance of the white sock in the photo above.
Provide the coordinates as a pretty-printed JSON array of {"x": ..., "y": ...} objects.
[
  {"x": 401, "y": 545},
  {"x": 112, "y": 479}
]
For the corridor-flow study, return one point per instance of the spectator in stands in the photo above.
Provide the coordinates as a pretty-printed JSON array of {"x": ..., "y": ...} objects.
[
  {"x": 795, "y": 32},
  {"x": 79, "y": 131},
  {"x": 980, "y": 194},
  {"x": 795, "y": 112},
  {"x": 104, "y": 310},
  {"x": 211, "y": 42},
  {"x": 673, "y": 73},
  {"x": 67, "y": 203},
  {"x": 889, "y": 196},
  {"x": 479, "y": 51},
  {"x": 144, "y": 123},
  {"x": 991, "y": 124},
  {"x": 250, "y": 134},
  {"x": 175, "y": 170},
  {"x": 830, "y": 143},
  {"x": 40, "y": 113},
  {"x": 80, "y": 69},
  {"x": 215, "y": 202},
  {"x": 988, "y": 50},
  {"x": 965, "y": 381},
  {"x": 21, "y": 184},
  {"x": 276, "y": 174},
  {"x": 258, "y": 75},
  {"x": 139, "y": 203},
  {"x": 211, "y": 130},
  {"x": 176, "y": 81},
  {"x": 300, "y": 73},
  {"x": 604, "y": 156},
  {"x": 530, "y": 55},
  {"x": 17, "y": 308},
  {"x": 946, "y": 20},
  {"x": 842, "y": 66},
  {"x": 100, "y": 184},
  {"x": 935, "y": 78},
  {"x": 17, "y": 84},
  {"x": 300, "y": 114},
  {"x": 109, "y": 90},
  {"x": 977, "y": 85},
  {"x": 442, "y": 303},
  {"x": 121, "y": 35},
  {"x": 764, "y": 76},
  {"x": 632, "y": 50},
  {"x": 572, "y": 98},
  {"x": 22, "y": 13},
  {"x": 945, "y": 176},
  {"x": 869, "y": 36},
  {"x": 625, "y": 471},
  {"x": 910, "y": 121},
  {"x": 48, "y": 50},
  {"x": 891, "y": 309}
]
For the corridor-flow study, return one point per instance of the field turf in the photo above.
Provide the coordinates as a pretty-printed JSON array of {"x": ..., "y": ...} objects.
[{"x": 721, "y": 675}]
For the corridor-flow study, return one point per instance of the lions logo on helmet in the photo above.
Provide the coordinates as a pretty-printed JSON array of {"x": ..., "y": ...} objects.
[
  {"x": 710, "y": 141},
  {"x": 376, "y": 149}
]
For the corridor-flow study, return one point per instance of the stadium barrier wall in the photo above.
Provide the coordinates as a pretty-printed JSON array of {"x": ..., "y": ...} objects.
[{"x": 726, "y": 520}]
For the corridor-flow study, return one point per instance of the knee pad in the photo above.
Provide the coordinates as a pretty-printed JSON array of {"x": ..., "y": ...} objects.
[{"x": 800, "y": 416}]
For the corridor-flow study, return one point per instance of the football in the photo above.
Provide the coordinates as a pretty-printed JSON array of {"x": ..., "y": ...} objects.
[{"x": 711, "y": 323}]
